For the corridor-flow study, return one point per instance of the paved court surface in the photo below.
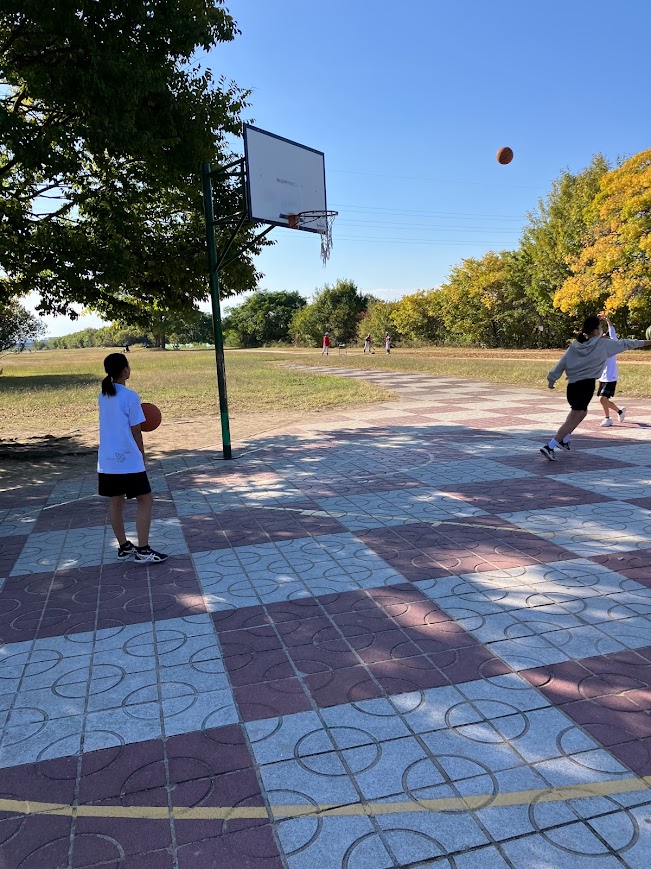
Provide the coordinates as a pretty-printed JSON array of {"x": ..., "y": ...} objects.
[{"x": 401, "y": 640}]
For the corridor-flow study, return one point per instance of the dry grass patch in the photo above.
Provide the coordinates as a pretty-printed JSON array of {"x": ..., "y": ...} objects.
[{"x": 55, "y": 391}]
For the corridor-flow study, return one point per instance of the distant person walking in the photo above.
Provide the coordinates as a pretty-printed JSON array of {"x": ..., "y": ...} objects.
[
  {"x": 387, "y": 343},
  {"x": 326, "y": 344},
  {"x": 582, "y": 363},
  {"x": 368, "y": 344},
  {"x": 126, "y": 349},
  {"x": 121, "y": 459},
  {"x": 608, "y": 384}
]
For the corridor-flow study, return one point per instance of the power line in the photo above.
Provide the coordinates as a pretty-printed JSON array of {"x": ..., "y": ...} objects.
[{"x": 462, "y": 215}]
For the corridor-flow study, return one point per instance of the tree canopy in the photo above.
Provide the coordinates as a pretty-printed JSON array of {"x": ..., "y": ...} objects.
[
  {"x": 17, "y": 326},
  {"x": 105, "y": 120},
  {"x": 264, "y": 318},
  {"x": 612, "y": 270},
  {"x": 335, "y": 309},
  {"x": 380, "y": 318}
]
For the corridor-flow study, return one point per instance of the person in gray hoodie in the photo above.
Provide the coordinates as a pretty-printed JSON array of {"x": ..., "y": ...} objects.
[{"x": 583, "y": 362}]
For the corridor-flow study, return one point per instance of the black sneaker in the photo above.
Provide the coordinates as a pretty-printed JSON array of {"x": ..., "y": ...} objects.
[
  {"x": 547, "y": 452},
  {"x": 146, "y": 555},
  {"x": 126, "y": 550},
  {"x": 564, "y": 446}
]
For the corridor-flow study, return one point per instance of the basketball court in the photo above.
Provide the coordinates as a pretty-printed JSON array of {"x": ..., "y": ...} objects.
[{"x": 399, "y": 639}]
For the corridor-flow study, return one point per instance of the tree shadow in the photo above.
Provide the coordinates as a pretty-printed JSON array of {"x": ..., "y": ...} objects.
[
  {"x": 46, "y": 381},
  {"x": 43, "y": 448}
]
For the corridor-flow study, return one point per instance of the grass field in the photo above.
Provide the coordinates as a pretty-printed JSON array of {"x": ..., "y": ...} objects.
[
  {"x": 520, "y": 368},
  {"x": 56, "y": 390}
]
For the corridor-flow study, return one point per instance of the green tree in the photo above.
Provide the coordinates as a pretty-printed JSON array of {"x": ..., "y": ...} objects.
[
  {"x": 305, "y": 328},
  {"x": 418, "y": 318},
  {"x": 483, "y": 302},
  {"x": 337, "y": 310},
  {"x": 554, "y": 236},
  {"x": 102, "y": 200},
  {"x": 612, "y": 271},
  {"x": 195, "y": 330},
  {"x": 378, "y": 319},
  {"x": 264, "y": 318},
  {"x": 17, "y": 326}
]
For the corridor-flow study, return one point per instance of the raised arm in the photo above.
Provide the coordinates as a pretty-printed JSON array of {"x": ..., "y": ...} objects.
[{"x": 623, "y": 344}]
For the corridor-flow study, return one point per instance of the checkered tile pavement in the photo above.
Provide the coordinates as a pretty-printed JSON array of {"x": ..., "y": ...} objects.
[{"x": 406, "y": 604}]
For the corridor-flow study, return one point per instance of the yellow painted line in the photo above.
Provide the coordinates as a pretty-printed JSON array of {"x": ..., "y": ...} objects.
[{"x": 442, "y": 804}]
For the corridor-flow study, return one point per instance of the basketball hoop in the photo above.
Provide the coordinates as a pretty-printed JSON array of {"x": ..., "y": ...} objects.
[{"x": 324, "y": 220}]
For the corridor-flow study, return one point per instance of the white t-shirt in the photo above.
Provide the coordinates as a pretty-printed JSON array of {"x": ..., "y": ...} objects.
[
  {"x": 118, "y": 452},
  {"x": 610, "y": 374}
]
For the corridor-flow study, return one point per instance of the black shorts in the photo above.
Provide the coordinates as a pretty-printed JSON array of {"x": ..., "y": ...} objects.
[
  {"x": 579, "y": 394},
  {"x": 607, "y": 389},
  {"x": 131, "y": 485}
]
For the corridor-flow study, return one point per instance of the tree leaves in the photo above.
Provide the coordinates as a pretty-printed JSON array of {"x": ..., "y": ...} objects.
[
  {"x": 613, "y": 269},
  {"x": 104, "y": 124}
]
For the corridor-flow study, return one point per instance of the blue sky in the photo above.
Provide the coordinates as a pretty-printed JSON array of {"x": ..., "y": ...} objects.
[{"x": 411, "y": 101}]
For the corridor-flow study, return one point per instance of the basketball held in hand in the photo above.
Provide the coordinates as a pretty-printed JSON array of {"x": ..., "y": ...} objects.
[
  {"x": 153, "y": 417},
  {"x": 504, "y": 156}
]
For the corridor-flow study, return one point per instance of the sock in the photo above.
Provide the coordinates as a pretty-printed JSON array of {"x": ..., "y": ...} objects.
[
  {"x": 553, "y": 444},
  {"x": 566, "y": 439}
]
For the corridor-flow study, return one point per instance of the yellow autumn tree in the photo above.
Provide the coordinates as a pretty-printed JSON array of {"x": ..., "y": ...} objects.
[
  {"x": 613, "y": 270},
  {"x": 418, "y": 318}
]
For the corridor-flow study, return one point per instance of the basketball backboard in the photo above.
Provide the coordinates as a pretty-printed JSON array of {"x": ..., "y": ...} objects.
[{"x": 283, "y": 178}]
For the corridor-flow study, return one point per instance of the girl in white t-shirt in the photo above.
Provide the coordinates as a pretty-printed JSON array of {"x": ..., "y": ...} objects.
[{"x": 121, "y": 459}]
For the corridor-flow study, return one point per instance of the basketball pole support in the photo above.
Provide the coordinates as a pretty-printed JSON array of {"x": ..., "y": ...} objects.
[
  {"x": 222, "y": 260},
  {"x": 208, "y": 209}
]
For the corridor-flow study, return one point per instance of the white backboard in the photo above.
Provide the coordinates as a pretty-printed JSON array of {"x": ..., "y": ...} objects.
[{"x": 283, "y": 178}]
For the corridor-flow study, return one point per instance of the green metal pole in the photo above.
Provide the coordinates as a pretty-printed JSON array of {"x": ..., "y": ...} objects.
[{"x": 216, "y": 312}]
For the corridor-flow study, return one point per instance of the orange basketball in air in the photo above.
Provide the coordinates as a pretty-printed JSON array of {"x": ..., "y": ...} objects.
[
  {"x": 153, "y": 417},
  {"x": 504, "y": 156}
]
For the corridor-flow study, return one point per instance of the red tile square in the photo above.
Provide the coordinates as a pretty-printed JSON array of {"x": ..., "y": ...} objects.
[
  {"x": 249, "y": 641},
  {"x": 245, "y": 617},
  {"x": 318, "y": 631},
  {"x": 271, "y": 699},
  {"x": 237, "y": 789},
  {"x": 407, "y": 674},
  {"x": 34, "y": 841},
  {"x": 250, "y": 848},
  {"x": 117, "y": 774},
  {"x": 103, "y": 840},
  {"x": 319, "y": 659},
  {"x": 254, "y": 668},
  {"x": 342, "y": 686},
  {"x": 383, "y": 646},
  {"x": 469, "y": 663},
  {"x": 611, "y": 726},
  {"x": 214, "y": 751}
]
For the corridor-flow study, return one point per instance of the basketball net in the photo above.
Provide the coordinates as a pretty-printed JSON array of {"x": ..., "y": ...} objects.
[{"x": 326, "y": 218}]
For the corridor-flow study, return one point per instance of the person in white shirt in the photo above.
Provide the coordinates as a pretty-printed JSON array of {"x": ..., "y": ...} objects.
[
  {"x": 121, "y": 459},
  {"x": 608, "y": 383},
  {"x": 582, "y": 362}
]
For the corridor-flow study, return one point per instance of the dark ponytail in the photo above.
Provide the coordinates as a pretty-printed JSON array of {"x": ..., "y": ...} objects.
[
  {"x": 589, "y": 325},
  {"x": 114, "y": 365}
]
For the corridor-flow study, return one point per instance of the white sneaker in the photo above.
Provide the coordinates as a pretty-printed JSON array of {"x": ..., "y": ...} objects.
[
  {"x": 606, "y": 422},
  {"x": 622, "y": 414}
]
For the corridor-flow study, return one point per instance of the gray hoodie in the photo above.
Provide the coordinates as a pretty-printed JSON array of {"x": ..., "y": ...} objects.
[{"x": 586, "y": 361}]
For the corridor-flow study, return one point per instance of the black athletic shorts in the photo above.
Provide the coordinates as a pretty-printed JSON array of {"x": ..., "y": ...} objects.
[
  {"x": 579, "y": 394},
  {"x": 607, "y": 389},
  {"x": 130, "y": 485}
]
